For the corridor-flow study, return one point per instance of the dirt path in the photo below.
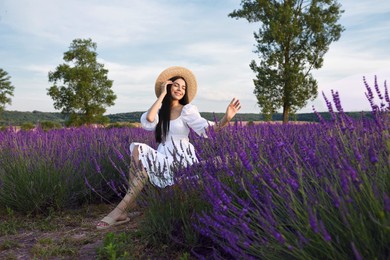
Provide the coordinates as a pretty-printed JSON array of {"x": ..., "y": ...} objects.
[{"x": 70, "y": 235}]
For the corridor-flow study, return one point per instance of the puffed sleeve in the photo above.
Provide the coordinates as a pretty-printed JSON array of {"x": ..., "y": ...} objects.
[
  {"x": 194, "y": 120},
  {"x": 150, "y": 126}
]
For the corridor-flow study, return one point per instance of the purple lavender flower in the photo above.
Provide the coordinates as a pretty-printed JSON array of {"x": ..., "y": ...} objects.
[
  {"x": 245, "y": 161},
  {"x": 337, "y": 101},
  {"x": 373, "y": 156},
  {"x": 345, "y": 182},
  {"x": 313, "y": 221},
  {"x": 356, "y": 252},
  {"x": 387, "y": 98},
  {"x": 376, "y": 86},
  {"x": 357, "y": 153},
  {"x": 335, "y": 197},
  {"x": 279, "y": 237},
  {"x": 324, "y": 232},
  {"x": 302, "y": 240}
]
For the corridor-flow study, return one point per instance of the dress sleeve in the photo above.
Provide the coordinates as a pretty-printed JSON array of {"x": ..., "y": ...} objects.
[
  {"x": 194, "y": 120},
  {"x": 150, "y": 126}
]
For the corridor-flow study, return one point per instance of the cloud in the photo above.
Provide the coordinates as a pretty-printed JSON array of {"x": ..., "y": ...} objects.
[
  {"x": 358, "y": 10},
  {"x": 138, "y": 39},
  {"x": 109, "y": 23}
]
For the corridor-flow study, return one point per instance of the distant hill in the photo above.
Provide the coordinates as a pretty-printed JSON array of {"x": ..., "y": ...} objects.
[{"x": 19, "y": 118}]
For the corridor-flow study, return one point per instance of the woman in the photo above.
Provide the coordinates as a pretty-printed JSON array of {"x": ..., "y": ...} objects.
[{"x": 171, "y": 117}]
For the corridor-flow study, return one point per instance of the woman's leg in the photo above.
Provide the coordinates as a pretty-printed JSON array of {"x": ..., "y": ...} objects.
[{"x": 136, "y": 183}]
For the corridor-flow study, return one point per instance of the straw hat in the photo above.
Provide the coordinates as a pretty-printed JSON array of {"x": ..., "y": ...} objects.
[{"x": 178, "y": 71}]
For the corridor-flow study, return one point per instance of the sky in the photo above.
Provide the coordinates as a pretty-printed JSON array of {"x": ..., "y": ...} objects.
[{"x": 136, "y": 40}]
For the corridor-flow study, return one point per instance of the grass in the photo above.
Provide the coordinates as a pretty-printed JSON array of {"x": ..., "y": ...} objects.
[
  {"x": 8, "y": 244},
  {"x": 48, "y": 247}
]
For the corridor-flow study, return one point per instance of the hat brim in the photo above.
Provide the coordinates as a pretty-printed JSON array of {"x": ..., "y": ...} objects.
[{"x": 177, "y": 71}]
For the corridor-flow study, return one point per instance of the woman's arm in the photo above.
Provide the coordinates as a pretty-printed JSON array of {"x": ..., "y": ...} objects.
[
  {"x": 231, "y": 111},
  {"x": 153, "y": 110}
]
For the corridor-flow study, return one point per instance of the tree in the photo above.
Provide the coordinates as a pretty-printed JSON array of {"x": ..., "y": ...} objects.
[
  {"x": 6, "y": 89},
  {"x": 83, "y": 90},
  {"x": 293, "y": 39}
]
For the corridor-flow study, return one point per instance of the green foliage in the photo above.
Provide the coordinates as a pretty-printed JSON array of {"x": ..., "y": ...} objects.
[
  {"x": 29, "y": 185},
  {"x": 117, "y": 246},
  {"x": 47, "y": 125},
  {"x": 47, "y": 247},
  {"x": 8, "y": 244},
  {"x": 27, "y": 126},
  {"x": 292, "y": 40},
  {"x": 131, "y": 245},
  {"x": 9, "y": 227},
  {"x": 170, "y": 216},
  {"x": 6, "y": 89},
  {"x": 83, "y": 91},
  {"x": 121, "y": 125}
]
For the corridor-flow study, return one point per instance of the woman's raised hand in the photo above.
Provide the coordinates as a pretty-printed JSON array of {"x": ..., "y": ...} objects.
[
  {"x": 164, "y": 87},
  {"x": 232, "y": 109}
]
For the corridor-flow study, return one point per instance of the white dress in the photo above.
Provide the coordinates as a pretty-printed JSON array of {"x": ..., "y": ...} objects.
[{"x": 176, "y": 151}]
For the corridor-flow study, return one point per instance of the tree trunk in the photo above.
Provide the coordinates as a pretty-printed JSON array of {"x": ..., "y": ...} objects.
[{"x": 286, "y": 110}]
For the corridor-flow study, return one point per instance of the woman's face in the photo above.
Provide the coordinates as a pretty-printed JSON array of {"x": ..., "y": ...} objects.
[{"x": 178, "y": 89}]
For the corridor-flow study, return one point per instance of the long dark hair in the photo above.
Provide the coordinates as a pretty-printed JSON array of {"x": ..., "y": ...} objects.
[{"x": 164, "y": 114}]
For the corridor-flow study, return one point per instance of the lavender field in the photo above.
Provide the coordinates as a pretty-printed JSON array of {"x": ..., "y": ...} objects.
[{"x": 271, "y": 191}]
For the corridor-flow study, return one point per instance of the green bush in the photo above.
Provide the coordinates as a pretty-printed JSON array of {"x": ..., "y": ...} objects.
[
  {"x": 27, "y": 126},
  {"x": 117, "y": 246},
  {"x": 121, "y": 125},
  {"x": 47, "y": 125}
]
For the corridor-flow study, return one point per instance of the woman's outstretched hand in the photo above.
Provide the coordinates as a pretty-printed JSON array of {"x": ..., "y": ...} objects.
[{"x": 232, "y": 109}]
